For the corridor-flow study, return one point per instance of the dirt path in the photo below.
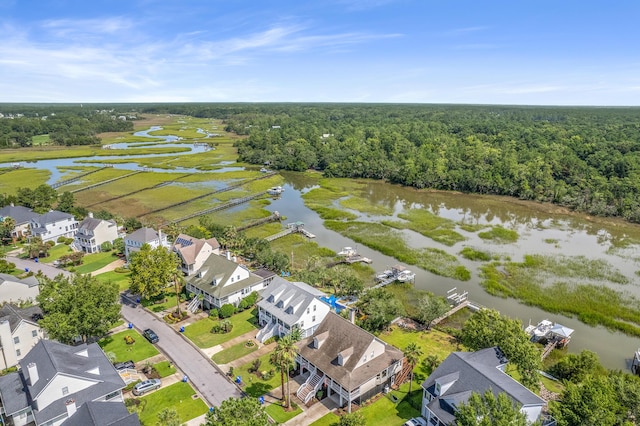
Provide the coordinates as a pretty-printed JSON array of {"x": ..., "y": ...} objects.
[{"x": 110, "y": 267}]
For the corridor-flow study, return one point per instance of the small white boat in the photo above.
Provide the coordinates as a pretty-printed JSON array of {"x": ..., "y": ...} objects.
[
  {"x": 264, "y": 170},
  {"x": 276, "y": 190},
  {"x": 347, "y": 251},
  {"x": 405, "y": 276},
  {"x": 384, "y": 274}
]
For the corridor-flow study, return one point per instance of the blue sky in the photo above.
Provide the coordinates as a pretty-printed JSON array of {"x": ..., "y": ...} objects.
[{"x": 426, "y": 51}]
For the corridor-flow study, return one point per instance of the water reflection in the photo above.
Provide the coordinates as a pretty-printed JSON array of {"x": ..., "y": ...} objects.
[{"x": 542, "y": 230}]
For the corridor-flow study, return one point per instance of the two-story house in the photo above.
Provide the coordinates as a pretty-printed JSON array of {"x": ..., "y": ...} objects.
[
  {"x": 55, "y": 380},
  {"x": 139, "y": 237},
  {"x": 194, "y": 251},
  {"x": 462, "y": 373},
  {"x": 221, "y": 280},
  {"x": 22, "y": 217},
  {"x": 350, "y": 364},
  {"x": 19, "y": 332},
  {"x": 286, "y": 305},
  {"x": 15, "y": 290},
  {"x": 52, "y": 225},
  {"x": 92, "y": 233}
]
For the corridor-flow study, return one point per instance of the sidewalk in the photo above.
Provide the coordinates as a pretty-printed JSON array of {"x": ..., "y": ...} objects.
[{"x": 110, "y": 267}]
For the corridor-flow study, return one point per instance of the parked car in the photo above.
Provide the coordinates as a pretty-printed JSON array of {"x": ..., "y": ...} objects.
[
  {"x": 124, "y": 365},
  {"x": 150, "y": 335},
  {"x": 416, "y": 421},
  {"x": 146, "y": 386}
]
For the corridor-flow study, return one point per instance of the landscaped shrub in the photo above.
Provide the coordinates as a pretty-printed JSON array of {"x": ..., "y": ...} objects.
[
  {"x": 213, "y": 313},
  {"x": 129, "y": 340},
  {"x": 255, "y": 365},
  {"x": 222, "y": 327},
  {"x": 106, "y": 246},
  {"x": 227, "y": 310},
  {"x": 121, "y": 270},
  {"x": 269, "y": 340}
]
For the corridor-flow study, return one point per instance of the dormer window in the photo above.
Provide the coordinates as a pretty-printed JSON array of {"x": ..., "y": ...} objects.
[
  {"x": 280, "y": 304},
  {"x": 343, "y": 356},
  {"x": 271, "y": 298}
]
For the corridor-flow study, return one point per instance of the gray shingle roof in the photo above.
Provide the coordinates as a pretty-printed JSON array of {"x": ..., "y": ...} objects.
[
  {"x": 342, "y": 335},
  {"x": 28, "y": 281},
  {"x": 296, "y": 297},
  {"x": 53, "y": 358},
  {"x": 14, "y": 398},
  {"x": 90, "y": 223},
  {"x": 143, "y": 235},
  {"x": 20, "y": 214},
  {"x": 51, "y": 217},
  {"x": 102, "y": 414},
  {"x": 219, "y": 268},
  {"x": 15, "y": 315},
  {"x": 473, "y": 372}
]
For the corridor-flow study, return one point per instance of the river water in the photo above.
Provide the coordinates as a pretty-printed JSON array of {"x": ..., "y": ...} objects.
[
  {"x": 572, "y": 235},
  {"x": 541, "y": 229}
]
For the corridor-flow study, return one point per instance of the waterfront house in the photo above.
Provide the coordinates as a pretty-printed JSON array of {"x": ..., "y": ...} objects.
[
  {"x": 462, "y": 373},
  {"x": 54, "y": 380},
  {"x": 194, "y": 251},
  {"x": 221, "y": 280},
  {"x": 142, "y": 236},
  {"x": 92, "y": 233},
  {"x": 346, "y": 362},
  {"x": 19, "y": 332},
  {"x": 53, "y": 225},
  {"x": 286, "y": 305}
]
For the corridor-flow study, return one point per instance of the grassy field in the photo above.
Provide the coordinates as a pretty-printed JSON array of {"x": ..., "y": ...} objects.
[
  {"x": 278, "y": 414},
  {"x": 431, "y": 342},
  {"x": 141, "y": 349},
  {"x": 93, "y": 262},
  {"x": 164, "y": 368},
  {"x": 498, "y": 234},
  {"x": 428, "y": 224},
  {"x": 178, "y": 396},
  {"x": 253, "y": 385},
  {"x": 122, "y": 279},
  {"x": 200, "y": 331}
]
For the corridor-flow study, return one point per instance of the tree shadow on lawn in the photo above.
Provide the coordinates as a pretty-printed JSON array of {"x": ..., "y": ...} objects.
[{"x": 258, "y": 389}]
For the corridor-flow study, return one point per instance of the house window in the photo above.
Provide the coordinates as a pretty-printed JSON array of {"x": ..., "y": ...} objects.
[
  {"x": 238, "y": 277},
  {"x": 65, "y": 390},
  {"x": 16, "y": 340},
  {"x": 314, "y": 308},
  {"x": 231, "y": 279},
  {"x": 112, "y": 395},
  {"x": 301, "y": 324},
  {"x": 308, "y": 310},
  {"x": 313, "y": 318},
  {"x": 17, "y": 352},
  {"x": 34, "y": 333}
]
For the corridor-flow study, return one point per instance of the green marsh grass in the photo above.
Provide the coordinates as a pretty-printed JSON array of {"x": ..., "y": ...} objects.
[
  {"x": 390, "y": 242},
  {"x": 474, "y": 254},
  {"x": 499, "y": 234},
  {"x": 428, "y": 224}
]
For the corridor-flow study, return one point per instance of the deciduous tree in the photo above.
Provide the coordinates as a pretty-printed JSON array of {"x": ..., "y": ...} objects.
[
  {"x": 152, "y": 269},
  {"x": 487, "y": 410},
  {"x": 238, "y": 412},
  {"x": 79, "y": 306}
]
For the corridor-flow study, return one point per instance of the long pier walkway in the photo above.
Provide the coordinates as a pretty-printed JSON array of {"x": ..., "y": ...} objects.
[
  {"x": 73, "y": 179},
  {"x": 291, "y": 228},
  {"x": 105, "y": 182},
  {"x": 224, "y": 206},
  {"x": 158, "y": 185}
]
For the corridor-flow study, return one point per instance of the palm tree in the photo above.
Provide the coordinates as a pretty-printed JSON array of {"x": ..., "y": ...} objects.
[
  {"x": 412, "y": 353},
  {"x": 10, "y": 223},
  {"x": 283, "y": 357},
  {"x": 178, "y": 282}
]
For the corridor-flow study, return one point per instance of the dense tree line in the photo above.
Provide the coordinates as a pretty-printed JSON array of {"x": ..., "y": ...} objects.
[{"x": 65, "y": 126}]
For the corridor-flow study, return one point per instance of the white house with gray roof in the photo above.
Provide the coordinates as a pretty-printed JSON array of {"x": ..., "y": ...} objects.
[
  {"x": 462, "y": 373},
  {"x": 286, "y": 305},
  {"x": 15, "y": 290},
  {"x": 52, "y": 225},
  {"x": 54, "y": 380},
  {"x": 221, "y": 280},
  {"x": 142, "y": 236},
  {"x": 19, "y": 332},
  {"x": 92, "y": 233}
]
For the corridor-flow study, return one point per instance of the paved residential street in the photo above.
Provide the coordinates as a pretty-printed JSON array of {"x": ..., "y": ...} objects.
[
  {"x": 48, "y": 270},
  {"x": 212, "y": 385}
]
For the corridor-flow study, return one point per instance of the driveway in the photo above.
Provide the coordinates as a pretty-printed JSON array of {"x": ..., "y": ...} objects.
[
  {"x": 47, "y": 270},
  {"x": 212, "y": 385}
]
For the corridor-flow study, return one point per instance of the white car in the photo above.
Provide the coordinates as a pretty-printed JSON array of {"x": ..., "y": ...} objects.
[{"x": 416, "y": 421}]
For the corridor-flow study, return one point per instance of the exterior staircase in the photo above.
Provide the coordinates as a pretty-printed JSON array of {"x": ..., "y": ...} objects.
[
  {"x": 129, "y": 375},
  {"x": 404, "y": 373},
  {"x": 194, "y": 305},
  {"x": 310, "y": 387},
  {"x": 266, "y": 332}
]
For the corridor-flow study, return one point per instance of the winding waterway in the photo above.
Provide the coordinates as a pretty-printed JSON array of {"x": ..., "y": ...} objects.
[
  {"x": 542, "y": 230},
  {"x": 571, "y": 235}
]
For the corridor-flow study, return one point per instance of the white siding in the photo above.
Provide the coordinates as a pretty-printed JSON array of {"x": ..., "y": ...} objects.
[{"x": 53, "y": 391}]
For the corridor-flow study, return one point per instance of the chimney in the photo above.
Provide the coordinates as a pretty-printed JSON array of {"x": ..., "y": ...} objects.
[
  {"x": 228, "y": 254},
  {"x": 352, "y": 316},
  {"x": 32, "y": 369},
  {"x": 71, "y": 407},
  {"x": 91, "y": 215}
]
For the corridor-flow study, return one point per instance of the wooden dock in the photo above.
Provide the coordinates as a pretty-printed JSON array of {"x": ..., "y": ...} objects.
[
  {"x": 73, "y": 179},
  {"x": 104, "y": 182},
  {"x": 291, "y": 228}
]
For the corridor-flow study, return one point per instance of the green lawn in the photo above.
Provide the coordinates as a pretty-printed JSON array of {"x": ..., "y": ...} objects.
[
  {"x": 252, "y": 385},
  {"x": 162, "y": 303},
  {"x": 56, "y": 252},
  {"x": 234, "y": 352},
  {"x": 326, "y": 420},
  {"x": 139, "y": 350},
  {"x": 164, "y": 368},
  {"x": 178, "y": 396},
  {"x": 431, "y": 342},
  {"x": 200, "y": 332},
  {"x": 278, "y": 414},
  {"x": 95, "y": 261},
  {"x": 122, "y": 279}
]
